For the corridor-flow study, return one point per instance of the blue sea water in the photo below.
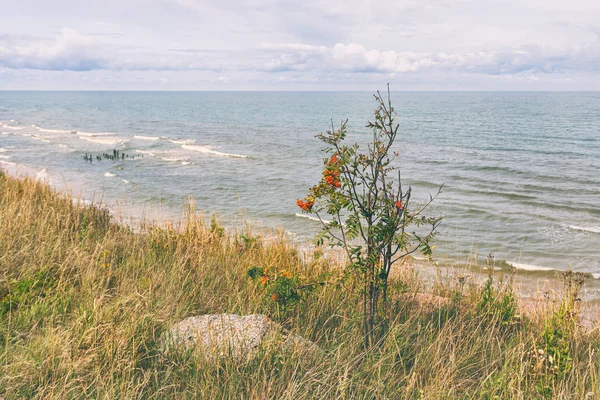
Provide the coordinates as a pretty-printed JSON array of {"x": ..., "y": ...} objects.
[{"x": 521, "y": 171}]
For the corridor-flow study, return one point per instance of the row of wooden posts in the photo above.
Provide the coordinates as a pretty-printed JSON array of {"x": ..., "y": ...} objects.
[{"x": 116, "y": 155}]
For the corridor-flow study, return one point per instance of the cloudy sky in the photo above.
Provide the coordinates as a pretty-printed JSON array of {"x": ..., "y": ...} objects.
[{"x": 300, "y": 44}]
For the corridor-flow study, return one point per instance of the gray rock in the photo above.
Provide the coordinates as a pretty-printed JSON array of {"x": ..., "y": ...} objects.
[{"x": 240, "y": 337}]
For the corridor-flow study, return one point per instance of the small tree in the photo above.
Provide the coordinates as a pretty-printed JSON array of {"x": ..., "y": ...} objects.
[{"x": 372, "y": 216}]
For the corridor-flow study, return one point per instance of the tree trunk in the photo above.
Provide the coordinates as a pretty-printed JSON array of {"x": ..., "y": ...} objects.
[{"x": 365, "y": 322}]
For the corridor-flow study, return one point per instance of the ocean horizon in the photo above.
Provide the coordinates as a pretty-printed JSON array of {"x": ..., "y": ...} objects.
[{"x": 521, "y": 170}]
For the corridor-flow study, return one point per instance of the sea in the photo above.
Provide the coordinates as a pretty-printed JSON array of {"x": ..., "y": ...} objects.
[{"x": 520, "y": 170}]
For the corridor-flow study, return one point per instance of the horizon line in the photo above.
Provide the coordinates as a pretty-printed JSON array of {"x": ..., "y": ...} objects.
[{"x": 296, "y": 91}]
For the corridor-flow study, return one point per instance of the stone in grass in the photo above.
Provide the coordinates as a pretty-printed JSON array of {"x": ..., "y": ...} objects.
[{"x": 241, "y": 337}]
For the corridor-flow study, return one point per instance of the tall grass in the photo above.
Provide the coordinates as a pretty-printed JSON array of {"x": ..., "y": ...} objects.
[{"x": 84, "y": 301}]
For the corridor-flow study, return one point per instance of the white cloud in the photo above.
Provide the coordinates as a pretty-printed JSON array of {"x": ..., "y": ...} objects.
[
  {"x": 72, "y": 51},
  {"x": 69, "y": 51},
  {"x": 286, "y": 43},
  {"x": 357, "y": 59}
]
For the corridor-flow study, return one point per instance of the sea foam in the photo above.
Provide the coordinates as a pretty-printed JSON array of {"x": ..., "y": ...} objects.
[
  {"x": 146, "y": 137},
  {"x": 41, "y": 139},
  {"x": 104, "y": 140},
  {"x": 175, "y": 159},
  {"x": 95, "y": 134},
  {"x": 42, "y": 175},
  {"x": 16, "y": 128},
  {"x": 52, "y": 130},
  {"x": 312, "y": 218},
  {"x": 529, "y": 267},
  {"x": 593, "y": 229},
  {"x": 147, "y": 152},
  {"x": 182, "y": 141},
  {"x": 208, "y": 150}
]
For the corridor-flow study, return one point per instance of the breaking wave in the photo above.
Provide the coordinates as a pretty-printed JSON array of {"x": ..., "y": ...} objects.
[
  {"x": 208, "y": 150},
  {"x": 151, "y": 154},
  {"x": 52, "y": 130},
  {"x": 174, "y": 159},
  {"x": 146, "y": 137},
  {"x": 104, "y": 140},
  {"x": 593, "y": 229},
  {"x": 530, "y": 267},
  {"x": 16, "y": 128},
  {"x": 311, "y": 218},
  {"x": 95, "y": 134},
  {"x": 182, "y": 141}
]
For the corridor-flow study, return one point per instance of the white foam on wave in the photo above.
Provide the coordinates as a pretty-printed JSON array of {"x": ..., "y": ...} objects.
[
  {"x": 2, "y": 149},
  {"x": 2, "y": 162},
  {"x": 146, "y": 137},
  {"x": 125, "y": 180},
  {"x": 182, "y": 141},
  {"x": 62, "y": 145},
  {"x": 16, "y": 128},
  {"x": 174, "y": 159},
  {"x": 185, "y": 163},
  {"x": 209, "y": 150},
  {"x": 148, "y": 152},
  {"x": 104, "y": 140},
  {"x": 52, "y": 130},
  {"x": 312, "y": 218},
  {"x": 42, "y": 175},
  {"x": 95, "y": 134},
  {"x": 108, "y": 174},
  {"x": 41, "y": 139},
  {"x": 81, "y": 202},
  {"x": 592, "y": 229},
  {"x": 529, "y": 267},
  {"x": 5, "y": 157}
]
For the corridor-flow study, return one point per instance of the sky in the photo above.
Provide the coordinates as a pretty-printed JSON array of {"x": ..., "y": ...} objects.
[{"x": 299, "y": 44}]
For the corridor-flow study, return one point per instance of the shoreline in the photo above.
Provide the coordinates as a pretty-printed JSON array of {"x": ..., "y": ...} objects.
[
  {"x": 517, "y": 219},
  {"x": 531, "y": 281}
]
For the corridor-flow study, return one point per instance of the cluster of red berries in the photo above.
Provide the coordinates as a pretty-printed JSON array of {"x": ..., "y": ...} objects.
[
  {"x": 330, "y": 177},
  {"x": 331, "y": 174},
  {"x": 305, "y": 205}
]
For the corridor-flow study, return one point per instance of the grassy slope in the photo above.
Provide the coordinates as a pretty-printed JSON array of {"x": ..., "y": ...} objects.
[{"x": 83, "y": 302}]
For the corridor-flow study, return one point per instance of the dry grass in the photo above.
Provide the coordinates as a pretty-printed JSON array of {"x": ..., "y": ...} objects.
[{"x": 83, "y": 302}]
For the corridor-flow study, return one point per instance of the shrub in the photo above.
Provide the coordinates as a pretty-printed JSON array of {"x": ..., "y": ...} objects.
[{"x": 373, "y": 219}]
